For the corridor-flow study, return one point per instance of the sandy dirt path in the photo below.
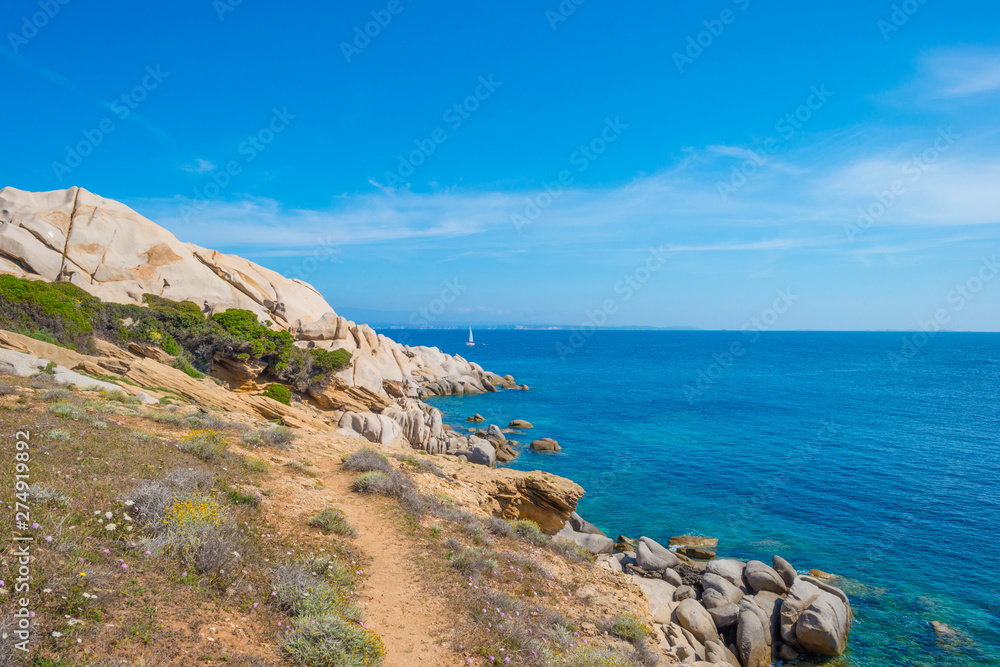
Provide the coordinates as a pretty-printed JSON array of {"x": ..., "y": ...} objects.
[{"x": 401, "y": 608}]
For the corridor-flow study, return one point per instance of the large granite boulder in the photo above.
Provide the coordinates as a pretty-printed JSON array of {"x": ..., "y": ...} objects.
[
  {"x": 545, "y": 445},
  {"x": 762, "y": 577},
  {"x": 816, "y": 617},
  {"x": 751, "y": 640},
  {"x": 785, "y": 569},
  {"x": 695, "y": 619},
  {"x": 731, "y": 570},
  {"x": 592, "y": 542},
  {"x": 653, "y": 556},
  {"x": 722, "y": 586},
  {"x": 581, "y": 525}
]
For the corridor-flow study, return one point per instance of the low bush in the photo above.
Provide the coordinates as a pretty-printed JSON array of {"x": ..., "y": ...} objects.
[
  {"x": 152, "y": 499},
  {"x": 65, "y": 410},
  {"x": 58, "y": 434},
  {"x": 529, "y": 532},
  {"x": 279, "y": 393},
  {"x": 7, "y": 390},
  {"x": 206, "y": 445},
  {"x": 237, "y": 497},
  {"x": 119, "y": 396},
  {"x": 304, "y": 594},
  {"x": 184, "y": 366},
  {"x": 168, "y": 418},
  {"x": 280, "y": 437},
  {"x": 207, "y": 421},
  {"x": 367, "y": 459},
  {"x": 54, "y": 395},
  {"x": 627, "y": 627},
  {"x": 42, "y": 381},
  {"x": 392, "y": 483},
  {"x": 330, "y": 641},
  {"x": 256, "y": 464},
  {"x": 332, "y": 520},
  {"x": 472, "y": 560}
]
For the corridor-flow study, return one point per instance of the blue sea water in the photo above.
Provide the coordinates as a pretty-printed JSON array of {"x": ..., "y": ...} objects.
[{"x": 853, "y": 453}]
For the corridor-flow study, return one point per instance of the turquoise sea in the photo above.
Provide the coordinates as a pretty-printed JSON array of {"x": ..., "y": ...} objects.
[{"x": 873, "y": 456}]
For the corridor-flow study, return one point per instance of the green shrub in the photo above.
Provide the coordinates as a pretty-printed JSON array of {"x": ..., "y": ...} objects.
[
  {"x": 629, "y": 628},
  {"x": 60, "y": 310},
  {"x": 185, "y": 367},
  {"x": 255, "y": 464},
  {"x": 44, "y": 336},
  {"x": 529, "y": 531},
  {"x": 330, "y": 641},
  {"x": 54, "y": 395},
  {"x": 277, "y": 436},
  {"x": 58, "y": 434},
  {"x": 206, "y": 445},
  {"x": 367, "y": 459},
  {"x": 239, "y": 498},
  {"x": 330, "y": 361},
  {"x": 64, "y": 410},
  {"x": 263, "y": 341},
  {"x": 278, "y": 392},
  {"x": 333, "y": 520}
]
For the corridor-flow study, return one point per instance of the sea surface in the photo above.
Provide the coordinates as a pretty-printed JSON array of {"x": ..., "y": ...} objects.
[{"x": 873, "y": 456}]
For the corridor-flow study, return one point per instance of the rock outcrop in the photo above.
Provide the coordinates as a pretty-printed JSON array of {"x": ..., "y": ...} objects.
[
  {"x": 732, "y": 613},
  {"x": 112, "y": 252}
]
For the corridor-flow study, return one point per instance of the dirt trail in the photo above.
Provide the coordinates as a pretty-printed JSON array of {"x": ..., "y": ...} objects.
[{"x": 400, "y": 608}]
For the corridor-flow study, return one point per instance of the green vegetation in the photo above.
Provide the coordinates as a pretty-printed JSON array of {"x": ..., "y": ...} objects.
[
  {"x": 331, "y": 362},
  {"x": 61, "y": 310},
  {"x": 64, "y": 314},
  {"x": 206, "y": 445},
  {"x": 629, "y": 628},
  {"x": 332, "y": 520},
  {"x": 278, "y": 392}
]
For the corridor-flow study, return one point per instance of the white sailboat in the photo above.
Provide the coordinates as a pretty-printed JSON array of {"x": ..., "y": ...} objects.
[{"x": 470, "y": 341}]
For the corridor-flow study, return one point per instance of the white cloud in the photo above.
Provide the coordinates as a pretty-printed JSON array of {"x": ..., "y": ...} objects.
[
  {"x": 200, "y": 166},
  {"x": 963, "y": 73}
]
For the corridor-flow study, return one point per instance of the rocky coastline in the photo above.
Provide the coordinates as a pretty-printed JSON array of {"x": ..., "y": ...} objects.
[{"x": 705, "y": 610}]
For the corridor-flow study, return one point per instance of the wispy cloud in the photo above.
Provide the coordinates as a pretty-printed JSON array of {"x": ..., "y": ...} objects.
[
  {"x": 200, "y": 166},
  {"x": 61, "y": 81},
  {"x": 962, "y": 73},
  {"x": 956, "y": 75}
]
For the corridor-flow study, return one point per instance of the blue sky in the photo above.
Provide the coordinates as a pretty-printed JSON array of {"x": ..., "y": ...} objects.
[{"x": 646, "y": 164}]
